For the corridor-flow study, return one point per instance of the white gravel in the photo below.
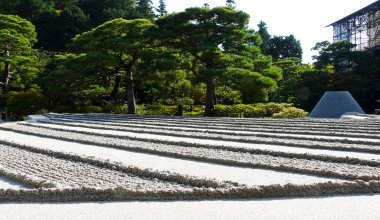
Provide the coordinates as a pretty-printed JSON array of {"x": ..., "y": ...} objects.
[
  {"x": 247, "y": 176},
  {"x": 282, "y": 163},
  {"x": 5, "y": 183},
  {"x": 67, "y": 174},
  {"x": 299, "y": 137},
  {"x": 225, "y": 148},
  {"x": 279, "y": 148},
  {"x": 342, "y": 207}
]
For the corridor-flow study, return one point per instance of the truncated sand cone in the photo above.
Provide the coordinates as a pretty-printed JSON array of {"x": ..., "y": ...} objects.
[{"x": 335, "y": 104}]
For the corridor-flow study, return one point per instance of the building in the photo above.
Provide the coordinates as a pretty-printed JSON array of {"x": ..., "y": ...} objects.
[{"x": 361, "y": 28}]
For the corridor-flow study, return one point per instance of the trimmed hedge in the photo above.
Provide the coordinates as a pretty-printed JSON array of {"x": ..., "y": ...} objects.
[{"x": 260, "y": 110}]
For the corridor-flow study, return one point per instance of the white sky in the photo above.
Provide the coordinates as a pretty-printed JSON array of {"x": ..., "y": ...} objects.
[{"x": 305, "y": 19}]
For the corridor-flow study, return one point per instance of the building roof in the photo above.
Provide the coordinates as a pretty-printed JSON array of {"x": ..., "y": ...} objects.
[{"x": 372, "y": 7}]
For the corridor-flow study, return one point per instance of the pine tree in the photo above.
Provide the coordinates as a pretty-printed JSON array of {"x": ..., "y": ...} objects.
[
  {"x": 230, "y": 3},
  {"x": 265, "y": 36},
  {"x": 162, "y": 8},
  {"x": 144, "y": 9},
  {"x": 17, "y": 36}
]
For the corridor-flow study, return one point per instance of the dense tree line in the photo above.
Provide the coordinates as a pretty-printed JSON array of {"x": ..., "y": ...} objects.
[
  {"x": 58, "y": 21},
  {"x": 102, "y": 55}
]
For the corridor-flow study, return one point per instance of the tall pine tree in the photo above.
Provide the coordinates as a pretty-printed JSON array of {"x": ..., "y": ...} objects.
[
  {"x": 265, "y": 36},
  {"x": 17, "y": 37},
  {"x": 144, "y": 9},
  {"x": 162, "y": 8},
  {"x": 230, "y": 3}
]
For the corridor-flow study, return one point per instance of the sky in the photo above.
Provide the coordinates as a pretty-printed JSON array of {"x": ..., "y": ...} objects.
[{"x": 305, "y": 19}]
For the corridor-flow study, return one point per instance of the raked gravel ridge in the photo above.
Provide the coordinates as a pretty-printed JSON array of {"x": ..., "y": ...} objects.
[{"x": 105, "y": 157}]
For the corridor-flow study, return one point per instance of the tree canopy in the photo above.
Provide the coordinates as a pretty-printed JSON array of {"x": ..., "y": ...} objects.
[
  {"x": 265, "y": 37},
  {"x": 106, "y": 55},
  {"x": 115, "y": 46},
  {"x": 144, "y": 9},
  {"x": 162, "y": 8},
  {"x": 209, "y": 35},
  {"x": 281, "y": 47},
  {"x": 17, "y": 37}
]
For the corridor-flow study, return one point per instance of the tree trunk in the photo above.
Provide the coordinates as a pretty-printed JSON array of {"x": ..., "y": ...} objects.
[
  {"x": 6, "y": 76},
  {"x": 130, "y": 95},
  {"x": 130, "y": 86},
  {"x": 4, "y": 84},
  {"x": 179, "y": 110},
  {"x": 210, "y": 96},
  {"x": 116, "y": 89}
]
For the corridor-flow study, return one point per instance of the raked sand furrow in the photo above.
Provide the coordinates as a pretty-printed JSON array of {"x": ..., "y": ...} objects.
[
  {"x": 6, "y": 183},
  {"x": 103, "y": 157},
  {"x": 68, "y": 174},
  {"x": 246, "y": 176},
  {"x": 222, "y": 130},
  {"x": 362, "y": 129},
  {"x": 329, "y": 169},
  {"x": 172, "y": 138},
  {"x": 265, "y": 149},
  {"x": 333, "y": 207},
  {"x": 371, "y": 123},
  {"x": 239, "y": 136}
]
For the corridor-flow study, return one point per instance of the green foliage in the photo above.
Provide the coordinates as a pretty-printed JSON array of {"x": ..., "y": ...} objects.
[
  {"x": 292, "y": 68},
  {"x": 89, "y": 109},
  {"x": 144, "y": 9},
  {"x": 101, "y": 11},
  {"x": 56, "y": 29},
  {"x": 24, "y": 103},
  {"x": 281, "y": 47},
  {"x": 291, "y": 112},
  {"x": 342, "y": 57},
  {"x": 73, "y": 21},
  {"x": 265, "y": 37},
  {"x": 63, "y": 4},
  {"x": 201, "y": 56},
  {"x": 253, "y": 86},
  {"x": 259, "y": 110},
  {"x": 344, "y": 70},
  {"x": 114, "y": 48},
  {"x": 161, "y": 8},
  {"x": 159, "y": 109},
  {"x": 230, "y": 3},
  {"x": 31, "y": 9},
  {"x": 226, "y": 95},
  {"x": 17, "y": 36},
  {"x": 169, "y": 87},
  {"x": 64, "y": 80},
  {"x": 220, "y": 44},
  {"x": 57, "y": 21},
  {"x": 336, "y": 55}
]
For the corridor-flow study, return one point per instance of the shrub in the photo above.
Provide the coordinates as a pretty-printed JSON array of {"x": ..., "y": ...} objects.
[
  {"x": 89, "y": 109},
  {"x": 193, "y": 110},
  {"x": 21, "y": 104},
  {"x": 159, "y": 109},
  {"x": 291, "y": 112},
  {"x": 268, "y": 109},
  {"x": 259, "y": 110},
  {"x": 156, "y": 109},
  {"x": 118, "y": 108}
]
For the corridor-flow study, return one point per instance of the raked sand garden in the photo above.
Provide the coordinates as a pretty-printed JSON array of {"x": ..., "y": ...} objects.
[{"x": 217, "y": 168}]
